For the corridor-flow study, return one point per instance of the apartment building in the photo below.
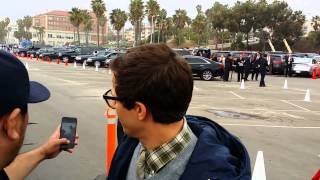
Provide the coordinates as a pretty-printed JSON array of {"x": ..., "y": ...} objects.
[{"x": 60, "y": 31}]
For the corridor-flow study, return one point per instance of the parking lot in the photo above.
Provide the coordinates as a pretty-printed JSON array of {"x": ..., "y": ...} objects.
[{"x": 274, "y": 120}]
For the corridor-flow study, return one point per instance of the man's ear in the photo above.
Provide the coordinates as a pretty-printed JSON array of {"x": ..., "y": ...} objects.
[
  {"x": 141, "y": 110},
  {"x": 11, "y": 124}
]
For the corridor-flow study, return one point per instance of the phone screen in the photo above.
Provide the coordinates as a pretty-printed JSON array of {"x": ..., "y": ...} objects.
[{"x": 68, "y": 130}]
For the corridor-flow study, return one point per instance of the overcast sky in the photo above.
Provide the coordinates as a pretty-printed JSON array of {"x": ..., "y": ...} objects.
[{"x": 15, "y": 9}]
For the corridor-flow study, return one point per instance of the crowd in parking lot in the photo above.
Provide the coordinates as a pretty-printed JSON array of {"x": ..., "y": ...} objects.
[
  {"x": 205, "y": 63},
  {"x": 245, "y": 63}
]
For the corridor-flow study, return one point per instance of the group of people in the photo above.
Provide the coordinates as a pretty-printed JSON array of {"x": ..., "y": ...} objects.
[
  {"x": 244, "y": 66},
  {"x": 151, "y": 91}
]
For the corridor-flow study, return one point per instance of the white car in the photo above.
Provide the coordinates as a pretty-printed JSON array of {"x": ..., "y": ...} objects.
[{"x": 304, "y": 65}]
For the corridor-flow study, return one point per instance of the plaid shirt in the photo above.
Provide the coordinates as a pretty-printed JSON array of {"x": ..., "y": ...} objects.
[{"x": 156, "y": 159}]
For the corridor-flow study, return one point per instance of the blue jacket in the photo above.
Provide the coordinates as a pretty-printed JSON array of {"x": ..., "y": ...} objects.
[{"x": 218, "y": 155}]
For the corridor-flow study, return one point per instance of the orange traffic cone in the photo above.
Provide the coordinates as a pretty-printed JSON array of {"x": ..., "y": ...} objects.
[
  {"x": 314, "y": 76},
  {"x": 58, "y": 61},
  {"x": 111, "y": 137},
  {"x": 316, "y": 176},
  {"x": 49, "y": 60}
]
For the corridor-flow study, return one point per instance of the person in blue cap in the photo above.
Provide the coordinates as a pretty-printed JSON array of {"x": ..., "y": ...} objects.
[{"x": 16, "y": 91}]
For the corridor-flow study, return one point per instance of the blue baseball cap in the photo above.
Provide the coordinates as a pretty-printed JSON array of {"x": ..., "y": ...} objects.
[{"x": 16, "y": 90}]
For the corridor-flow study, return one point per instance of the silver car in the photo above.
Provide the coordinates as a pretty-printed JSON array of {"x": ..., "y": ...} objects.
[{"x": 304, "y": 65}]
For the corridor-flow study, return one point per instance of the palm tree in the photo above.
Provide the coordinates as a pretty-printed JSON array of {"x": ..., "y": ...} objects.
[
  {"x": 76, "y": 18},
  {"x": 99, "y": 8},
  {"x": 199, "y": 24},
  {"x": 87, "y": 23},
  {"x": 41, "y": 33},
  {"x": 136, "y": 15},
  {"x": 167, "y": 28},
  {"x": 152, "y": 9},
  {"x": 180, "y": 19},
  {"x": 102, "y": 23},
  {"x": 118, "y": 19},
  {"x": 161, "y": 19}
]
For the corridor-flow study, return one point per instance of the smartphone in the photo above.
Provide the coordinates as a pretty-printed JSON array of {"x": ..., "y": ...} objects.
[{"x": 68, "y": 130}]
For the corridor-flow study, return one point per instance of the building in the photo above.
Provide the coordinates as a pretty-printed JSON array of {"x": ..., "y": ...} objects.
[
  {"x": 60, "y": 31},
  {"x": 145, "y": 33}
]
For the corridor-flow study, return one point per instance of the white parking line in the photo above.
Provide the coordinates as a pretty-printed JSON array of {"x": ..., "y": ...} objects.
[
  {"x": 259, "y": 171},
  {"x": 285, "y": 101},
  {"x": 240, "y": 97},
  {"x": 270, "y": 126}
]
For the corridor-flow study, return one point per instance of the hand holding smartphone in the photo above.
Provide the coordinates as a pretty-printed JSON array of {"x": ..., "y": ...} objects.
[{"x": 68, "y": 130}]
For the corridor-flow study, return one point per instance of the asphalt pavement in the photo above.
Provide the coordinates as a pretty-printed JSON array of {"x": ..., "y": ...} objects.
[{"x": 274, "y": 120}]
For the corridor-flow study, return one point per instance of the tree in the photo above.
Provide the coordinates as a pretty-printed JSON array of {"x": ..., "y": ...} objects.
[
  {"x": 285, "y": 24},
  {"x": 316, "y": 23},
  {"x": 102, "y": 23},
  {"x": 152, "y": 10},
  {"x": 217, "y": 16},
  {"x": 161, "y": 20},
  {"x": 167, "y": 28},
  {"x": 40, "y": 32},
  {"x": 118, "y": 19},
  {"x": 179, "y": 20},
  {"x": 99, "y": 8},
  {"x": 199, "y": 25},
  {"x": 136, "y": 15},
  {"x": 27, "y": 22},
  {"x": 87, "y": 25},
  {"x": 76, "y": 18},
  {"x": 23, "y": 28},
  {"x": 4, "y": 29}
]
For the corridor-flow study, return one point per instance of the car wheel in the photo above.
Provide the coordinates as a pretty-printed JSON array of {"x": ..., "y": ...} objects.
[
  {"x": 97, "y": 63},
  {"x": 206, "y": 75}
]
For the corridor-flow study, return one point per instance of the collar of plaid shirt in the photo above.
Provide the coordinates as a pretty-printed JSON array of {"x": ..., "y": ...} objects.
[{"x": 159, "y": 157}]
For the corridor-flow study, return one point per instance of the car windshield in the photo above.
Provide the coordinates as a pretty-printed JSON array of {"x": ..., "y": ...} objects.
[{"x": 302, "y": 60}]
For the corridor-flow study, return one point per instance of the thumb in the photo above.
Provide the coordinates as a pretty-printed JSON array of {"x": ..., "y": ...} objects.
[{"x": 63, "y": 141}]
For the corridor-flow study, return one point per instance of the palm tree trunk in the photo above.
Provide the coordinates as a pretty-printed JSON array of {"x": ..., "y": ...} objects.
[
  {"x": 247, "y": 38},
  {"x": 151, "y": 36},
  {"x": 98, "y": 32},
  {"x": 159, "y": 30},
  {"x": 87, "y": 38},
  {"x": 78, "y": 31},
  {"x": 118, "y": 39},
  {"x": 74, "y": 35}
]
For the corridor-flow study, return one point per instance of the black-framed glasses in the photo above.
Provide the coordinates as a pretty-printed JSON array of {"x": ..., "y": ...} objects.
[{"x": 111, "y": 100}]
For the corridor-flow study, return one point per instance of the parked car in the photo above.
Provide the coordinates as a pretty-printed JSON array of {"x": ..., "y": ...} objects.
[
  {"x": 112, "y": 56},
  {"x": 204, "y": 52},
  {"x": 52, "y": 53},
  {"x": 304, "y": 66},
  {"x": 307, "y": 55},
  {"x": 277, "y": 63},
  {"x": 71, "y": 54},
  {"x": 102, "y": 58},
  {"x": 37, "y": 50},
  {"x": 204, "y": 68},
  {"x": 182, "y": 52}
]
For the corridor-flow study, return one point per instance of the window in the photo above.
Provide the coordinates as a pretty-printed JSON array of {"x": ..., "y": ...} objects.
[
  {"x": 50, "y": 36},
  {"x": 196, "y": 61}
]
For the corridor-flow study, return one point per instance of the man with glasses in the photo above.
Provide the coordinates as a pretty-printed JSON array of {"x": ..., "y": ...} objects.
[
  {"x": 15, "y": 93},
  {"x": 151, "y": 91}
]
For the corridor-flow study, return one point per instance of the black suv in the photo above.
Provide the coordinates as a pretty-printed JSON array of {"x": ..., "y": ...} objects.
[{"x": 204, "y": 68}]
